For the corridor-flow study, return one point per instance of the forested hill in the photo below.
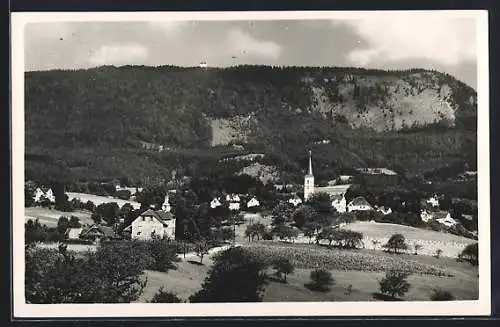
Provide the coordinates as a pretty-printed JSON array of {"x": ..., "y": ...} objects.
[{"x": 366, "y": 116}]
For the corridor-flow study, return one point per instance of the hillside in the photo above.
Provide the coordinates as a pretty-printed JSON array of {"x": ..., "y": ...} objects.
[{"x": 140, "y": 121}]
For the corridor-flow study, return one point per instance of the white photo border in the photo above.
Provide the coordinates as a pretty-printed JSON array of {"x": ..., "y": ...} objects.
[{"x": 482, "y": 306}]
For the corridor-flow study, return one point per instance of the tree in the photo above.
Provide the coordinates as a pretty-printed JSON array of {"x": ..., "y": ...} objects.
[
  {"x": 164, "y": 254},
  {"x": 375, "y": 243},
  {"x": 394, "y": 283},
  {"x": 61, "y": 198},
  {"x": 283, "y": 267},
  {"x": 441, "y": 295},
  {"x": 303, "y": 215},
  {"x": 163, "y": 296},
  {"x": 29, "y": 196},
  {"x": 111, "y": 274},
  {"x": 74, "y": 222},
  {"x": 438, "y": 253},
  {"x": 201, "y": 248},
  {"x": 108, "y": 212},
  {"x": 285, "y": 232},
  {"x": 417, "y": 248},
  {"x": 396, "y": 243},
  {"x": 321, "y": 280},
  {"x": 471, "y": 254},
  {"x": 62, "y": 224},
  {"x": 322, "y": 205},
  {"x": 236, "y": 276},
  {"x": 282, "y": 213}
]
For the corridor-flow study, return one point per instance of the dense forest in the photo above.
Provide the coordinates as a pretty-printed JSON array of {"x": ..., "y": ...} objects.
[{"x": 93, "y": 125}]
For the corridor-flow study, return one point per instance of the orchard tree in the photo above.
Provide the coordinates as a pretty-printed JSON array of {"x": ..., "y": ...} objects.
[
  {"x": 321, "y": 280},
  {"x": 163, "y": 296},
  {"x": 236, "y": 276},
  {"x": 395, "y": 283},
  {"x": 283, "y": 267},
  {"x": 396, "y": 243}
]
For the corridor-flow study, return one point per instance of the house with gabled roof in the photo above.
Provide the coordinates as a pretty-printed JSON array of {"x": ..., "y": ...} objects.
[
  {"x": 295, "y": 201},
  {"x": 151, "y": 224},
  {"x": 359, "y": 204},
  {"x": 73, "y": 233},
  {"x": 96, "y": 232}
]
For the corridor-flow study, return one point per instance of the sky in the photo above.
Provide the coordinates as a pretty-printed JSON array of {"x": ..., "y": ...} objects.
[{"x": 446, "y": 44}]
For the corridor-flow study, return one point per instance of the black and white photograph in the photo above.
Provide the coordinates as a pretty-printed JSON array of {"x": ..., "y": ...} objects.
[{"x": 250, "y": 164}]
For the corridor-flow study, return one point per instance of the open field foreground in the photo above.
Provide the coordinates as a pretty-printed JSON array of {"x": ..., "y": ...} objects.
[
  {"x": 362, "y": 269},
  {"x": 50, "y": 217}
]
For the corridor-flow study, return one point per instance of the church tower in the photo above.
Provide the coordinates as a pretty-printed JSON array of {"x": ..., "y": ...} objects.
[{"x": 309, "y": 181}]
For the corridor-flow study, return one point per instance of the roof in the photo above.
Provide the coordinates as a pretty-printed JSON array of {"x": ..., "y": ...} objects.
[
  {"x": 163, "y": 215},
  {"x": 359, "y": 201},
  {"x": 377, "y": 171},
  {"x": 440, "y": 214},
  {"x": 148, "y": 212},
  {"x": 106, "y": 231}
]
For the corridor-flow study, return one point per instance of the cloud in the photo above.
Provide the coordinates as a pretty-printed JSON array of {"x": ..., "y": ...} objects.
[
  {"x": 448, "y": 41},
  {"x": 244, "y": 44},
  {"x": 167, "y": 27},
  {"x": 116, "y": 54}
]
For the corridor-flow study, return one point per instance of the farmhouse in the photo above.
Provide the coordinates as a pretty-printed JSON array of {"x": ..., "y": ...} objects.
[
  {"x": 359, "y": 204},
  {"x": 433, "y": 201},
  {"x": 97, "y": 232},
  {"x": 215, "y": 203},
  {"x": 384, "y": 210},
  {"x": 234, "y": 201},
  {"x": 444, "y": 218},
  {"x": 339, "y": 203},
  {"x": 295, "y": 201},
  {"x": 40, "y": 194},
  {"x": 150, "y": 224},
  {"x": 253, "y": 203}
]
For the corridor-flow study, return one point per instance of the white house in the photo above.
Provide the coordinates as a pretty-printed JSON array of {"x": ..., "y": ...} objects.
[
  {"x": 50, "y": 195},
  {"x": 345, "y": 178},
  {"x": 151, "y": 224},
  {"x": 215, "y": 203},
  {"x": 444, "y": 218},
  {"x": 339, "y": 203},
  {"x": 426, "y": 216},
  {"x": 359, "y": 204},
  {"x": 384, "y": 210},
  {"x": 295, "y": 201},
  {"x": 234, "y": 206},
  {"x": 233, "y": 198},
  {"x": 253, "y": 203},
  {"x": 166, "y": 205},
  {"x": 38, "y": 194},
  {"x": 433, "y": 201}
]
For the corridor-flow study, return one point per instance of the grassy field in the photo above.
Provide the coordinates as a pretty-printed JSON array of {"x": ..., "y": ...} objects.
[
  {"x": 50, "y": 217},
  {"x": 97, "y": 200},
  {"x": 187, "y": 278}
]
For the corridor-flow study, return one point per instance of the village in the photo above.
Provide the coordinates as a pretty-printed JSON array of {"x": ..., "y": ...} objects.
[{"x": 357, "y": 213}]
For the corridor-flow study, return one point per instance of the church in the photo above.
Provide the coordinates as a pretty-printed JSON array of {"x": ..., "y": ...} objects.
[{"x": 310, "y": 188}]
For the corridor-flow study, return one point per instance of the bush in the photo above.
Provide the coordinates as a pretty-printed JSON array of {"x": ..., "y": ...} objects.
[
  {"x": 283, "y": 267},
  {"x": 470, "y": 254},
  {"x": 321, "y": 280},
  {"x": 112, "y": 274},
  {"x": 394, "y": 283},
  {"x": 441, "y": 295},
  {"x": 163, "y": 296},
  {"x": 164, "y": 254}
]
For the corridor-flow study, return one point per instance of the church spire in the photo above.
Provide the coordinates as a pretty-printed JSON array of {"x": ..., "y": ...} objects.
[{"x": 310, "y": 164}]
